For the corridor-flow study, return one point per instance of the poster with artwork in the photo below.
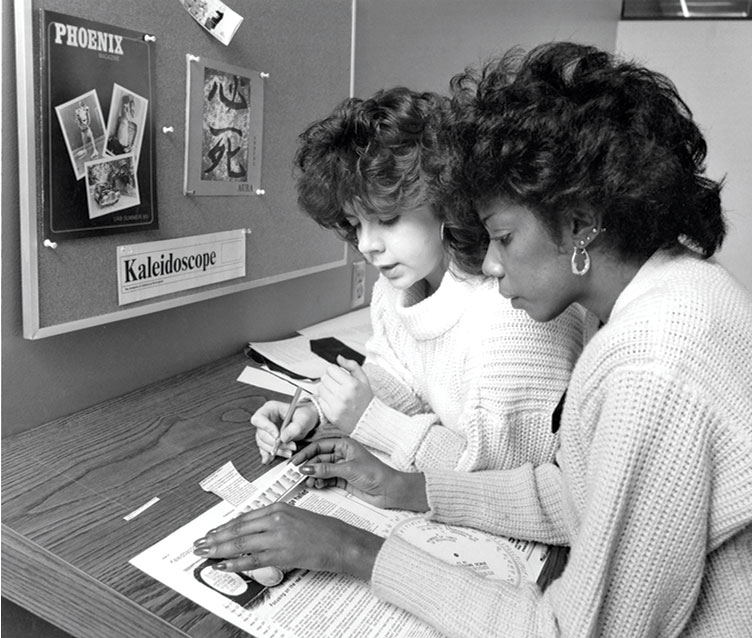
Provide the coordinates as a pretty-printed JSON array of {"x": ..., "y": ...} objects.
[
  {"x": 224, "y": 112},
  {"x": 98, "y": 160}
]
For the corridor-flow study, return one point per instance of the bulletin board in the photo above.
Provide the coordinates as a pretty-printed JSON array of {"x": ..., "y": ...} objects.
[{"x": 304, "y": 51}]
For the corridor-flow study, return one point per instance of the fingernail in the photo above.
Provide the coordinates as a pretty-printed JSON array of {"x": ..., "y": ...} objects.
[
  {"x": 306, "y": 469},
  {"x": 201, "y": 542},
  {"x": 202, "y": 551},
  {"x": 220, "y": 566}
]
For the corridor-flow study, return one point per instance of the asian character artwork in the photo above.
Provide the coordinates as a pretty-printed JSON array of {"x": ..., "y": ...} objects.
[
  {"x": 227, "y": 124},
  {"x": 224, "y": 130}
]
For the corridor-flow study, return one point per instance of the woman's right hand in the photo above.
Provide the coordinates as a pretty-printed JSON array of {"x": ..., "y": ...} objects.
[
  {"x": 269, "y": 417},
  {"x": 347, "y": 464}
]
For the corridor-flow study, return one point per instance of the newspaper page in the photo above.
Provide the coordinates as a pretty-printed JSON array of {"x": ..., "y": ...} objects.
[{"x": 311, "y": 604}]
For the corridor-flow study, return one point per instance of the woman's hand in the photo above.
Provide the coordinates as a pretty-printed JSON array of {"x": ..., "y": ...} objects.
[
  {"x": 269, "y": 417},
  {"x": 286, "y": 536},
  {"x": 347, "y": 464},
  {"x": 344, "y": 393}
]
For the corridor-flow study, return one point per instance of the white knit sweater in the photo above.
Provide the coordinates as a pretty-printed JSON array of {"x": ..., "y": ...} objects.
[
  {"x": 653, "y": 489},
  {"x": 461, "y": 379}
]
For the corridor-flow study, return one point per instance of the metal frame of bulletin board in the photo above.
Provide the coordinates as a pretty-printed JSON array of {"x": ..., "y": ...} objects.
[{"x": 305, "y": 52}]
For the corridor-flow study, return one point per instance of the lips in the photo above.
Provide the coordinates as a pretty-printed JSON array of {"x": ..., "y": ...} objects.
[{"x": 504, "y": 294}]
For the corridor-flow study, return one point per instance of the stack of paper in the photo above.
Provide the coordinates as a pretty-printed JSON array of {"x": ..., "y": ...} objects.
[{"x": 287, "y": 363}]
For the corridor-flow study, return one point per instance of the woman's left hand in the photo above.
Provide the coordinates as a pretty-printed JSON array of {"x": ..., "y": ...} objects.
[
  {"x": 344, "y": 393},
  {"x": 286, "y": 536}
]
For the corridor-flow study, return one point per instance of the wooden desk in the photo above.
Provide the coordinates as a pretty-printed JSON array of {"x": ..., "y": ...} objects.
[{"x": 67, "y": 485}]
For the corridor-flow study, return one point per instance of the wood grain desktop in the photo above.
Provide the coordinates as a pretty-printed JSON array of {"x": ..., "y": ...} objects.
[{"x": 67, "y": 486}]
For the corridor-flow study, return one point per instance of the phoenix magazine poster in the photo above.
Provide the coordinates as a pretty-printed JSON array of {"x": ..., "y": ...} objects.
[{"x": 97, "y": 107}]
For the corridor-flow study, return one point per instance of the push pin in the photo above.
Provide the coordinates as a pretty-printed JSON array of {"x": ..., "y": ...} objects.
[
  {"x": 263, "y": 74},
  {"x": 49, "y": 244},
  {"x": 149, "y": 38},
  {"x": 168, "y": 129},
  {"x": 260, "y": 191}
]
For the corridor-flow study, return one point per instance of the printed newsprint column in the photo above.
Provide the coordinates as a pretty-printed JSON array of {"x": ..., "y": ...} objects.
[{"x": 159, "y": 268}]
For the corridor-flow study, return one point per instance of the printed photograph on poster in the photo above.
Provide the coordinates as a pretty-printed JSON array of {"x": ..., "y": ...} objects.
[
  {"x": 224, "y": 129},
  {"x": 82, "y": 126},
  {"x": 125, "y": 124},
  {"x": 214, "y": 16},
  {"x": 111, "y": 185},
  {"x": 89, "y": 71}
]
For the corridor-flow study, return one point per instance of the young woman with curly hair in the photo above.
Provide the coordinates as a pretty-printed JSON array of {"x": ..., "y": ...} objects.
[{"x": 454, "y": 377}]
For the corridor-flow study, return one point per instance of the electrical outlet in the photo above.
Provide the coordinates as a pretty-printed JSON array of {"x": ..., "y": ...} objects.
[{"x": 358, "y": 284}]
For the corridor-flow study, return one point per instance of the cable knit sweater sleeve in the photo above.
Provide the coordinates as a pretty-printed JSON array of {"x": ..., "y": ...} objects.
[
  {"x": 636, "y": 564},
  {"x": 507, "y": 372}
]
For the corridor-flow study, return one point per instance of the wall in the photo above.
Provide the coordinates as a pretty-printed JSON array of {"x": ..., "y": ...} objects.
[
  {"x": 420, "y": 43},
  {"x": 709, "y": 61}
]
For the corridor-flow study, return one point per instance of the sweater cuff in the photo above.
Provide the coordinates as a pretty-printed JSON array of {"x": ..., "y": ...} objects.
[
  {"x": 391, "y": 431},
  {"x": 523, "y": 502},
  {"x": 400, "y": 574},
  {"x": 461, "y": 498}
]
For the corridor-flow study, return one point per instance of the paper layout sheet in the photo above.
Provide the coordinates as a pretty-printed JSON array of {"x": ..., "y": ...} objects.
[
  {"x": 352, "y": 328},
  {"x": 310, "y": 604},
  {"x": 262, "y": 377},
  {"x": 294, "y": 354}
]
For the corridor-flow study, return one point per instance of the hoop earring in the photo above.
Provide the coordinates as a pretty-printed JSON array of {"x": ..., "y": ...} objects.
[
  {"x": 441, "y": 231},
  {"x": 581, "y": 250}
]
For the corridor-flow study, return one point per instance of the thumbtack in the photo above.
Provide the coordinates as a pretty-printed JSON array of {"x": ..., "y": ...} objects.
[
  {"x": 149, "y": 38},
  {"x": 50, "y": 244},
  {"x": 168, "y": 129}
]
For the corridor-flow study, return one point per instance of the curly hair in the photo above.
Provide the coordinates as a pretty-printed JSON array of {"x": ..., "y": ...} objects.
[
  {"x": 377, "y": 156},
  {"x": 568, "y": 126}
]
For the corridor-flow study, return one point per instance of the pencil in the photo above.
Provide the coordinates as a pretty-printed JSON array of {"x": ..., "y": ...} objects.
[{"x": 287, "y": 419}]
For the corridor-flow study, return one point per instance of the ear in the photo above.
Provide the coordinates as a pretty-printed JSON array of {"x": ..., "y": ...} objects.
[{"x": 583, "y": 226}]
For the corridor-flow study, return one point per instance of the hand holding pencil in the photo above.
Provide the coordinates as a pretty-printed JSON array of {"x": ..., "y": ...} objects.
[
  {"x": 287, "y": 419},
  {"x": 278, "y": 425}
]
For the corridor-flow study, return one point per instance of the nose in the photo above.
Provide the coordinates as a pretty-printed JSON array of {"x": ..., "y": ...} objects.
[
  {"x": 369, "y": 238},
  {"x": 492, "y": 264}
]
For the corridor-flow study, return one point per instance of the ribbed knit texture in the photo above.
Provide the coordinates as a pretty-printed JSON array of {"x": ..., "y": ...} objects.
[
  {"x": 652, "y": 487},
  {"x": 461, "y": 379}
]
